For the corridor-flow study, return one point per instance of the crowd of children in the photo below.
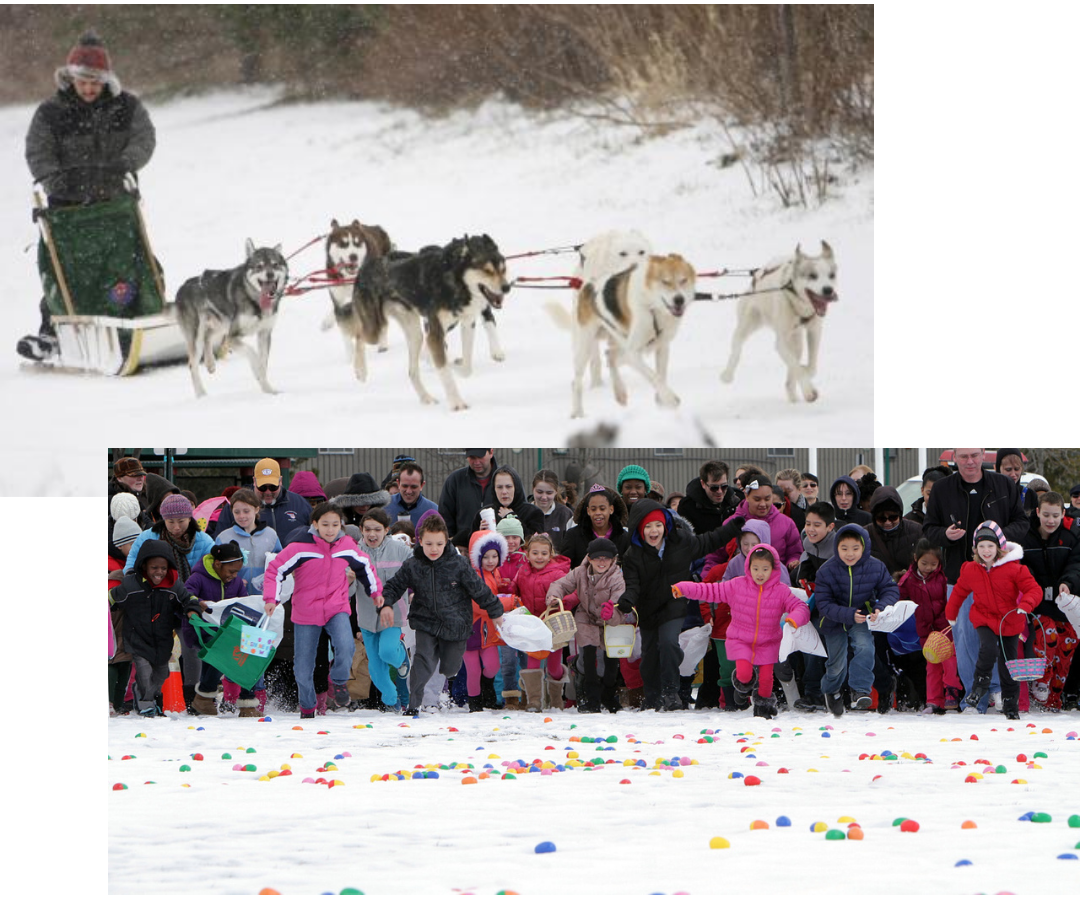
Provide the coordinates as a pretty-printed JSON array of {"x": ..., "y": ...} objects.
[{"x": 385, "y": 612}]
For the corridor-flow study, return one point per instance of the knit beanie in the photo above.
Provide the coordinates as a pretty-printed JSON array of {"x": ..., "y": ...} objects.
[
  {"x": 654, "y": 516},
  {"x": 1004, "y": 452},
  {"x": 124, "y": 503},
  {"x": 989, "y": 531},
  {"x": 125, "y": 530},
  {"x": 633, "y": 471},
  {"x": 306, "y": 484},
  {"x": 510, "y": 525},
  {"x": 88, "y": 60},
  {"x": 175, "y": 506},
  {"x": 424, "y": 516}
]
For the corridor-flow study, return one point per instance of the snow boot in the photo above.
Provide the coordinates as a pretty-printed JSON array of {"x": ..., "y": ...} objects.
[
  {"x": 260, "y": 696},
  {"x": 320, "y": 703},
  {"x": 791, "y": 692},
  {"x": 248, "y": 706},
  {"x": 635, "y": 698},
  {"x": 341, "y": 695},
  {"x": 532, "y": 682},
  {"x": 765, "y": 707},
  {"x": 306, "y": 714},
  {"x": 743, "y": 689},
  {"x": 555, "y": 694},
  {"x": 810, "y": 703},
  {"x": 511, "y": 700},
  {"x": 230, "y": 692},
  {"x": 835, "y": 703},
  {"x": 978, "y": 691},
  {"x": 38, "y": 348},
  {"x": 476, "y": 704},
  {"x": 670, "y": 700},
  {"x": 609, "y": 697},
  {"x": 204, "y": 703},
  {"x": 487, "y": 693}
]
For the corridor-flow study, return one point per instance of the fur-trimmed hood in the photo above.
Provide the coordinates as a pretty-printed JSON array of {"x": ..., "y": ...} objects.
[
  {"x": 482, "y": 542},
  {"x": 1013, "y": 551},
  {"x": 65, "y": 80},
  {"x": 362, "y": 491}
]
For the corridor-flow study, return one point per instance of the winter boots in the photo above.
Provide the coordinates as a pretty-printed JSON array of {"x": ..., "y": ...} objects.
[
  {"x": 204, "y": 703},
  {"x": 532, "y": 682},
  {"x": 248, "y": 706},
  {"x": 511, "y": 700},
  {"x": 476, "y": 704},
  {"x": 487, "y": 693},
  {"x": 555, "y": 694},
  {"x": 765, "y": 707},
  {"x": 791, "y": 692},
  {"x": 835, "y": 703},
  {"x": 978, "y": 691},
  {"x": 743, "y": 689}
]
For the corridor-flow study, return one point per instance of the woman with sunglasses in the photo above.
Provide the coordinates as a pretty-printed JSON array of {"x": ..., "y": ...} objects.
[{"x": 892, "y": 538}]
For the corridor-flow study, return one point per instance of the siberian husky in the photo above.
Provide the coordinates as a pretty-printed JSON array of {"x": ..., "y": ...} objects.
[
  {"x": 433, "y": 290},
  {"x": 791, "y": 296},
  {"x": 230, "y": 304}
]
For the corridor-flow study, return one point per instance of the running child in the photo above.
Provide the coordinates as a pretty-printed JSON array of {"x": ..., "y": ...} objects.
[
  {"x": 487, "y": 549},
  {"x": 926, "y": 585}
]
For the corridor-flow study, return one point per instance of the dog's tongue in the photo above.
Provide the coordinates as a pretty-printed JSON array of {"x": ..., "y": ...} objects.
[
  {"x": 266, "y": 299},
  {"x": 821, "y": 304}
]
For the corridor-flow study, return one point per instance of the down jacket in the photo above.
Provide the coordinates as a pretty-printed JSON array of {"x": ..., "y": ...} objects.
[
  {"x": 786, "y": 540},
  {"x": 999, "y": 591},
  {"x": 757, "y": 611},
  {"x": 1053, "y": 562},
  {"x": 318, "y": 569},
  {"x": 930, "y": 596},
  {"x": 152, "y": 612},
  {"x": 443, "y": 592},
  {"x": 387, "y": 559},
  {"x": 531, "y": 585},
  {"x": 896, "y": 549},
  {"x": 650, "y": 575},
  {"x": 737, "y": 565},
  {"x": 841, "y": 591},
  {"x": 592, "y": 589}
]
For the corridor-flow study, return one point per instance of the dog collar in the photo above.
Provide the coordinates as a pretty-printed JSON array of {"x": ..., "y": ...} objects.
[{"x": 789, "y": 287}]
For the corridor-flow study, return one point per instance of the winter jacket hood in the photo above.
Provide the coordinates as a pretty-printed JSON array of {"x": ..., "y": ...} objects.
[
  {"x": 841, "y": 591},
  {"x": 484, "y": 541},
  {"x": 784, "y": 536},
  {"x": 207, "y": 585}
]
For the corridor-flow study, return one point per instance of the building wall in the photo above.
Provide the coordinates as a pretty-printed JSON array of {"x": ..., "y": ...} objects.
[{"x": 672, "y": 467}]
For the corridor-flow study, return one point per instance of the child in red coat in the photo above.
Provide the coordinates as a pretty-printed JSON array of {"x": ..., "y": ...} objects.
[
  {"x": 926, "y": 585},
  {"x": 531, "y": 584},
  {"x": 1005, "y": 592}
]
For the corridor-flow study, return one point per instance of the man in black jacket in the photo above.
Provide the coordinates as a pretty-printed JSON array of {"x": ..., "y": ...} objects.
[
  {"x": 83, "y": 143},
  {"x": 468, "y": 489},
  {"x": 709, "y": 499}
]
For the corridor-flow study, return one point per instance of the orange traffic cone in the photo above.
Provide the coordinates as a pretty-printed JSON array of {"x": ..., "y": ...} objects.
[{"x": 172, "y": 692}]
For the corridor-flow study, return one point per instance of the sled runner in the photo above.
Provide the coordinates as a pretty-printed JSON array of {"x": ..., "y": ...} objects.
[{"x": 103, "y": 289}]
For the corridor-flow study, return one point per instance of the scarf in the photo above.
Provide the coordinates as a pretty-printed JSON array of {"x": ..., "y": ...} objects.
[{"x": 180, "y": 550}]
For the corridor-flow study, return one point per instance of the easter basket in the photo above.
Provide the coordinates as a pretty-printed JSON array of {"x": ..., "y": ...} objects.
[
  {"x": 1024, "y": 669},
  {"x": 221, "y": 650},
  {"x": 257, "y": 639},
  {"x": 939, "y": 646},
  {"x": 619, "y": 640},
  {"x": 562, "y": 626}
]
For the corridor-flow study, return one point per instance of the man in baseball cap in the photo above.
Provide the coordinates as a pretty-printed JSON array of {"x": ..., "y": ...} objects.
[{"x": 283, "y": 510}]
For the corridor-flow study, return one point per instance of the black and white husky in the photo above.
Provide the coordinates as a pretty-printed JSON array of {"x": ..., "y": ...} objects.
[
  {"x": 433, "y": 291},
  {"x": 791, "y": 296},
  {"x": 227, "y": 305}
]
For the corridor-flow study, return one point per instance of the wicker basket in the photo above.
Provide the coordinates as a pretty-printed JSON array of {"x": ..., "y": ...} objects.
[
  {"x": 562, "y": 626},
  {"x": 939, "y": 646}
]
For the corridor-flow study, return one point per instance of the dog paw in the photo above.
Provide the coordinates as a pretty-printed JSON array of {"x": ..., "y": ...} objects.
[
  {"x": 383, "y": 348},
  {"x": 667, "y": 399},
  {"x": 727, "y": 376},
  {"x": 428, "y": 399},
  {"x": 499, "y": 357},
  {"x": 811, "y": 395},
  {"x": 458, "y": 405}
]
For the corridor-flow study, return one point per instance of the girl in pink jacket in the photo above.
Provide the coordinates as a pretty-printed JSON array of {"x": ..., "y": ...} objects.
[
  {"x": 760, "y": 603},
  {"x": 319, "y": 562}
]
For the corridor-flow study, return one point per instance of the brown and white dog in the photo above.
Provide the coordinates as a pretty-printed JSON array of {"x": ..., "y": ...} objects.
[
  {"x": 347, "y": 246},
  {"x": 637, "y": 310}
]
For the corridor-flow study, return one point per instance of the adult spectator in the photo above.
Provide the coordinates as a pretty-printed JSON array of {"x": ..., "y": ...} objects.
[
  {"x": 410, "y": 500},
  {"x": 306, "y": 484},
  {"x": 601, "y": 513},
  {"x": 957, "y": 505},
  {"x": 1073, "y": 510},
  {"x": 809, "y": 488},
  {"x": 758, "y": 504},
  {"x": 789, "y": 481},
  {"x": 547, "y": 496},
  {"x": 83, "y": 143},
  {"x": 868, "y": 483},
  {"x": 633, "y": 483},
  {"x": 918, "y": 506},
  {"x": 656, "y": 491},
  {"x": 1009, "y": 461},
  {"x": 892, "y": 538},
  {"x": 509, "y": 498},
  {"x": 282, "y": 510},
  {"x": 359, "y": 496},
  {"x": 130, "y": 477},
  {"x": 709, "y": 499},
  {"x": 844, "y": 496},
  {"x": 673, "y": 500},
  {"x": 468, "y": 489}
]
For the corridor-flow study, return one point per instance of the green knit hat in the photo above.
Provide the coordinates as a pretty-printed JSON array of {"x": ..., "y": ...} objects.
[
  {"x": 510, "y": 525},
  {"x": 633, "y": 471}
]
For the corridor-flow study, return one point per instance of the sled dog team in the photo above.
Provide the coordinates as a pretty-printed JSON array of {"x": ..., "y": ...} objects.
[{"x": 630, "y": 299}]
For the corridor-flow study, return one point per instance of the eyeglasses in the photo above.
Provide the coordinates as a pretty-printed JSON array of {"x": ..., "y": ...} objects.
[
  {"x": 715, "y": 487},
  {"x": 887, "y": 517},
  {"x": 267, "y": 487}
]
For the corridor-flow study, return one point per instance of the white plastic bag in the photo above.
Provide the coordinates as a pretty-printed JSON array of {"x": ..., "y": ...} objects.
[
  {"x": 255, "y": 605},
  {"x": 1069, "y": 604},
  {"x": 524, "y": 632},
  {"x": 805, "y": 638},
  {"x": 891, "y": 617},
  {"x": 694, "y": 643}
]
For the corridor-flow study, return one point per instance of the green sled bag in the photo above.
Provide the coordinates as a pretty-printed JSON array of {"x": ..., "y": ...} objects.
[{"x": 222, "y": 651}]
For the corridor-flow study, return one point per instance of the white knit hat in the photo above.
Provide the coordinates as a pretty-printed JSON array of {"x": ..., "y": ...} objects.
[{"x": 124, "y": 503}]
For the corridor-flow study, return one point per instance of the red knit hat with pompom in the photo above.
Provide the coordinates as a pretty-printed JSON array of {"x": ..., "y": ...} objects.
[{"x": 655, "y": 516}]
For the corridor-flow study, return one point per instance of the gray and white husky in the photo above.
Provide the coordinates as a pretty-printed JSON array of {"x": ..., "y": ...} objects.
[
  {"x": 227, "y": 305},
  {"x": 791, "y": 296}
]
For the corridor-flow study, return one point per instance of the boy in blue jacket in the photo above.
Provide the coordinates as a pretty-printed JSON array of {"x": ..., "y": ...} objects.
[{"x": 851, "y": 588}]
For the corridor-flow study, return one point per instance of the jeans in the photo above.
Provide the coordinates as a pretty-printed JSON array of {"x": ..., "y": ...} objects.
[
  {"x": 660, "y": 659},
  {"x": 509, "y": 666},
  {"x": 148, "y": 681},
  {"x": 384, "y": 650},
  {"x": 860, "y": 671},
  {"x": 305, "y": 645},
  {"x": 433, "y": 654}
]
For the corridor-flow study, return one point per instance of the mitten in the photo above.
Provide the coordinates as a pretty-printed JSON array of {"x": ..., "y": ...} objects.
[
  {"x": 607, "y": 610},
  {"x": 676, "y": 592}
]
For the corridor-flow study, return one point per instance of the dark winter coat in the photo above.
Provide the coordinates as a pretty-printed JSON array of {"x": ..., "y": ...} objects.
[
  {"x": 556, "y": 524},
  {"x": 80, "y": 151},
  {"x": 462, "y": 498},
  {"x": 650, "y": 575},
  {"x": 916, "y": 514},
  {"x": 207, "y": 585},
  {"x": 853, "y": 513},
  {"x": 699, "y": 510},
  {"x": 443, "y": 592},
  {"x": 576, "y": 542},
  {"x": 950, "y": 497},
  {"x": 529, "y": 515},
  {"x": 152, "y": 613},
  {"x": 289, "y": 513},
  {"x": 896, "y": 549},
  {"x": 930, "y": 595},
  {"x": 841, "y": 591},
  {"x": 1052, "y": 562}
]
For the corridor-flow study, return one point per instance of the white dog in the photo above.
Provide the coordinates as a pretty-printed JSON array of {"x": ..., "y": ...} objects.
[{"x": 790, "y": 296}]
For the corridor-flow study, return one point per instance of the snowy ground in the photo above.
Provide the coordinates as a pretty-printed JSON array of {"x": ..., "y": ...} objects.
[
  {"x": 240, "y": 834},
  {"x": 233, "y": 165}
]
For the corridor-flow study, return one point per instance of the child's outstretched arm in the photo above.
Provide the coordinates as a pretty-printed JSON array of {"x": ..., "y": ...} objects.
[
  {"x": 360, "y": 563},
  {"x": 709, "y": 592},
  {"x": 796, "y": 611}
]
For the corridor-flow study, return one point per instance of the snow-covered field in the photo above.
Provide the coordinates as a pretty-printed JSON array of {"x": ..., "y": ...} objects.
[
  {"x": 234, "y": 165},
  {"x": 219, "y": 830}
]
